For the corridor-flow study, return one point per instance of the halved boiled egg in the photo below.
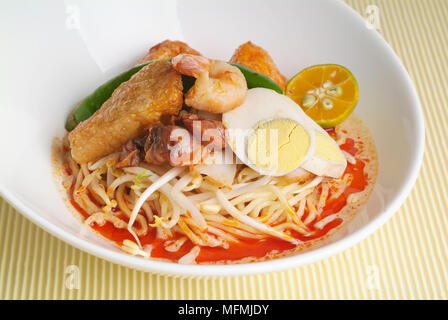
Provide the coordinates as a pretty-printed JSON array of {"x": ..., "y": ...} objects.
[
  {"x": 327, "y": 159},
  {"x": 271, "y": 134},
  {"x": 268, "y": 132}
]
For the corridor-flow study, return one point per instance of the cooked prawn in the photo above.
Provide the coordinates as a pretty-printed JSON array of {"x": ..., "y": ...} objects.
[
  {"x": 166, "y": 50},
  {"x": 219, "y": 86},
  {"x": 258, "y": 59}
]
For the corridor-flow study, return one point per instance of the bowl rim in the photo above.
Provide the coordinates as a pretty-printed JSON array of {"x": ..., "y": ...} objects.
[{"x": 296, "y": 260}]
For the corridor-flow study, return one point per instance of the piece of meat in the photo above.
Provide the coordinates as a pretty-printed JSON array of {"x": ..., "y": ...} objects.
[
  {"x": 166, "y": 50},
  {"x": 211, "y": 133},
  {"x": 132, "y": 153},
  {"x": 154, "y": 91},
  {"x": 161, "y": 144},
  {"x": 173, "y": 145},
  {"x": 258, "y": 59}
]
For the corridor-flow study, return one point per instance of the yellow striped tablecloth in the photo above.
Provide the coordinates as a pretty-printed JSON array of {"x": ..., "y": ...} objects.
[{"x": 407, "y": 258}]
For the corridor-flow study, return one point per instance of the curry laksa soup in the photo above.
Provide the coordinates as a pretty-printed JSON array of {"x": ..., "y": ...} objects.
[{"x": 188, "y": 159}]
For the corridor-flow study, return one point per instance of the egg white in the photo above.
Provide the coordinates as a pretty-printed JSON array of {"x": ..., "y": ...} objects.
[{"x": 263, "y": 105}]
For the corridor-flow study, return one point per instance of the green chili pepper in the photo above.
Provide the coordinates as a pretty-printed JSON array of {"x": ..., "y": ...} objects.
[{"x": 95, "y": 100}]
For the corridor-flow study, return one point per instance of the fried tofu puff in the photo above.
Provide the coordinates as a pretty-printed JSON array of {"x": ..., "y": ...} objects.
[
  {"x": 154, "y": 91},
  {"x": 166, "y": 50},
  {"x": 258, "y": 59}
]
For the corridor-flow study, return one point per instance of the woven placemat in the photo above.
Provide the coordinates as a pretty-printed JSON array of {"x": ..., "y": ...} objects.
[{"x": 406, "y": 258}]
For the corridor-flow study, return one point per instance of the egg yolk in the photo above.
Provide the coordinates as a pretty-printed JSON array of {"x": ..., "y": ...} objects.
[
  {"x": 278, "y": 145},
  {"x": 327, "y": 149}
]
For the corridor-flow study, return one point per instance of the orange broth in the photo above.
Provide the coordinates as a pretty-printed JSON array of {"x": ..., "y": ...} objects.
[{"x": 248, "y": 247}]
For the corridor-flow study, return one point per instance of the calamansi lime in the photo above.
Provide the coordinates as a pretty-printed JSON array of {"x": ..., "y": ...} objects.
[{"x": 327, "y": 93}]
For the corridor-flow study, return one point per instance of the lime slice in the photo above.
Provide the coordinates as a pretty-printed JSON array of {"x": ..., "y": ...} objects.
[{"x": 327, "y": 93}]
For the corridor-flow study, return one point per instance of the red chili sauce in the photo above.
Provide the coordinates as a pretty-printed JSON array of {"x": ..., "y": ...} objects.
[{"x": 249, "y": 247}]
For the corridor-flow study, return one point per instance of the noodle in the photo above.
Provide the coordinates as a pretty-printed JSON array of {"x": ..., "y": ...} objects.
[
  {"x": 234, "y": 212},
  {"x": 190, "y": 257},
  {"x": 174, "y": 245},
  {"x": 156, "y": 185},
  {"x": 176, "y": 201},
  {"x": 252, "y": 205}
]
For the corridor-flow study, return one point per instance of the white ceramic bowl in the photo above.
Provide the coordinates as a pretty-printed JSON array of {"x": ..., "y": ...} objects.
[{"x": 55, "y": 53}]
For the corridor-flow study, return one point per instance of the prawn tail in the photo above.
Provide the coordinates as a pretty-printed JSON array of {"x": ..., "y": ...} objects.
[{"x": 191, "y": 65}]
